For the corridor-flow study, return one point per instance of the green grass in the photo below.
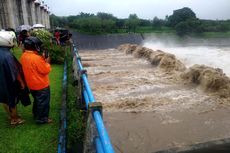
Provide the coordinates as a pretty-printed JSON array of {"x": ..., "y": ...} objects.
[
  {"x": 140, "y": 29},
  {"x": 30, "y": 137},
  {"x": 214, "y": 34},
  {"x": 149, "y": 29}
]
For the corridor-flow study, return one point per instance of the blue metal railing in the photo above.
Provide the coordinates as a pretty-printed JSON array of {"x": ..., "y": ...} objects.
[
  {"x": 63, "y": 124},
  {"x": 103, "y": 143}
]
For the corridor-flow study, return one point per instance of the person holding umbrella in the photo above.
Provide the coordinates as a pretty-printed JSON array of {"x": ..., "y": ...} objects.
[{"x": 23, "y": 31}]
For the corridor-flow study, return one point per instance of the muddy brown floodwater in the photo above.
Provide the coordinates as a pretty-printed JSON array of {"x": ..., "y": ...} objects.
[{"x": 147, "y": 109}]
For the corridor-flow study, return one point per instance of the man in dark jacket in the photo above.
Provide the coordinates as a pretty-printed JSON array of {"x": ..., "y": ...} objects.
[{"x": 10, "y": 77}]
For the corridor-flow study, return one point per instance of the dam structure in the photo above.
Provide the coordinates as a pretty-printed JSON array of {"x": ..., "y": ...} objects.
[
  {"x": 150, "y": 104},
  {"x": 14, "y": 13}
]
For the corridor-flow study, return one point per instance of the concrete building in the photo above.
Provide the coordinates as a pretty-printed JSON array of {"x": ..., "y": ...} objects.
[{"x": 14, "y": 13}]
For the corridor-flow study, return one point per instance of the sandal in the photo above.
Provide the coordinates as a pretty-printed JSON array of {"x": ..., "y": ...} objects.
[
  {"x": 17, "y": 121},
  {"x": 49, "y": 121}
]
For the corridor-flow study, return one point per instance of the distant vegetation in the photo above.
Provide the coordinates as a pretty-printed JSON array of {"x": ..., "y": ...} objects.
[{"x": 182, "y": 21}]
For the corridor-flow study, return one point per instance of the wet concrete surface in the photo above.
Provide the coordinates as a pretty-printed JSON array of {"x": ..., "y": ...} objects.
[{"x": 95, "y": 42}]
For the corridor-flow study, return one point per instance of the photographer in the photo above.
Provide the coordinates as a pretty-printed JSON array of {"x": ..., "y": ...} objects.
[{"x": 36, "y": 68}]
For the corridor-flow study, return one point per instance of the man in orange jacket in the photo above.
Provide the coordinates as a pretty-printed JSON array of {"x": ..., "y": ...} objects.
[{"x": 36, "y": 69}]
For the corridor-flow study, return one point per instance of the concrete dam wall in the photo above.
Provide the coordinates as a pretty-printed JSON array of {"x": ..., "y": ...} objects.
[
  {"x": 14, "y": 13},
  {"x": 96, "y": 42}
]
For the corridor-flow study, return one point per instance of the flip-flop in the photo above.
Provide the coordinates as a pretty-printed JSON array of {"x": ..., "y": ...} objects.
[
  {"x": 17, "y": 122},
  {"x": 49, "y": 121}
]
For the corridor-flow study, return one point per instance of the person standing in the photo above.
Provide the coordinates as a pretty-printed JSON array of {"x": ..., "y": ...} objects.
[
  {"x": 36, "y": 69},
  {"x": 21, "y": 38},
  {"x": 11, "y": 77},
  {"x": 57, "y": 36}
]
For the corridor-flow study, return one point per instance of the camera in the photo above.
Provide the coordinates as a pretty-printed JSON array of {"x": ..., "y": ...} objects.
[{"x": 46, "y": 53}]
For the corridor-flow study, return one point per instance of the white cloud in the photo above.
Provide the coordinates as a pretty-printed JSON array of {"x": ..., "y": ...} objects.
[{"x": 212, "y": 9}]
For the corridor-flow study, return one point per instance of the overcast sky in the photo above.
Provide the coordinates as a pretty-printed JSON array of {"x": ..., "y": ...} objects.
[{"x": 147, "y": 9}]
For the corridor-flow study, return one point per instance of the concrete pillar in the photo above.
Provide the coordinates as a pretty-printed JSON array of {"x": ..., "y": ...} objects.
[
  {"x": 47, "y": 19},
  {"x": 13, "y": 14},
  {"x": 4, "y": 14},
  {"x": 17, "y": 12},
  {"x": 41, "y": 15},
  {"x": 29, "y": 12},
  {"x": 24, "y": 12},
  {"x": 33, "y": 13},
  {"x": 30, "y": 8},
  {"x": 37, "y": 8},
  {"x": 44, "y": 17}
]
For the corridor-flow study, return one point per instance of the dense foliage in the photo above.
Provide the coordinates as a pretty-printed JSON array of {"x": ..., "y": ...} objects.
[
  {"x": 75, "y": 116},
  {"x": 56, "y": 52},
  {"x": 183, "y": 21},
  {"x": 181, "y": 15}
]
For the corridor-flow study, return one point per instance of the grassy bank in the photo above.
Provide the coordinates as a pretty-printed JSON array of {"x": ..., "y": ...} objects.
[
  {"x": 30, "y": 137},
  {"x": 149, "y": 29},
  {"x": 141, "y": 29},
  {"x": 75, "y": 116},
  {"x": 164, "y": 30},
  {"x": 214, "y": 35}
]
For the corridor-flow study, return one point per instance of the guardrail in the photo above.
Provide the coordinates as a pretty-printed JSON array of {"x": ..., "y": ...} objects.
[
  {"x": 102, "y": 142},
  {"x": 63, "y": 124}
]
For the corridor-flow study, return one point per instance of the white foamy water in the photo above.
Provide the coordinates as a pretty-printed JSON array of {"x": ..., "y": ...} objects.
[
  {"x": 124, "y": 83},
  {"x": 217, "y": 57}
]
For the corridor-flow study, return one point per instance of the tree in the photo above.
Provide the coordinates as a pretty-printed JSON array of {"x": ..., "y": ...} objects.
[
  {"x": 132, "y": 22},
  {"x": 180, "y": 15},
  {"x": 107, "y": 25},
  {"x": 56, "y": 21},
  {"x": 85, "y": 15},
  {"x": 189, "y": 26},
  {"x": 107, "y": 21},
  {"x": 157, "y": 23},
  {"x": 105, "y": 16},
  {"x": 120, "y": 23},
  {"x": 144, "y": 22}
]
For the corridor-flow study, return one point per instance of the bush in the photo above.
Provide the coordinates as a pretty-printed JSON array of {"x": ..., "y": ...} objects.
[
  {"x": 44, "y": 35},
  {"x": 56, "y": 52}
]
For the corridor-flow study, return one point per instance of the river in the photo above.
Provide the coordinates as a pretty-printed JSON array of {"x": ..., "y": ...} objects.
[{"x": 148, "y": 110}]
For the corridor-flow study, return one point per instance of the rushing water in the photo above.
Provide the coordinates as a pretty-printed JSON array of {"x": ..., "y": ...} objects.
[
  {"x": 148, "y": 110},
  {"x": 210, "y": 52}
]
